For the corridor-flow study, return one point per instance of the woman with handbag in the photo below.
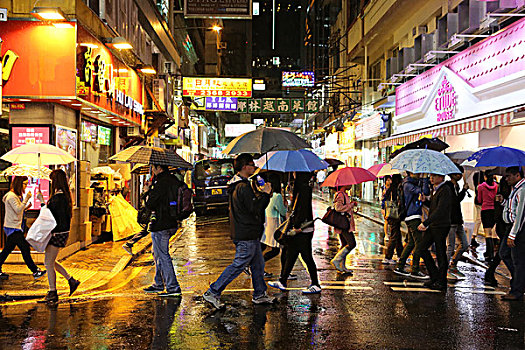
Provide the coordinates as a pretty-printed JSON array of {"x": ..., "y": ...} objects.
[
  {"x": 275, "y": 215},
  {"x": 15, "y": 206},
  {"x": 392, "y": 217},
  {"x": 61, "y": 207},
  {"x": 343, "y": 204},
  {"x": 300, "y": 238}
]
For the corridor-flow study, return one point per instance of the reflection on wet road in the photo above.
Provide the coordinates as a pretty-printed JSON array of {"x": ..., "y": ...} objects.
[{"x": 374, "y": 309}]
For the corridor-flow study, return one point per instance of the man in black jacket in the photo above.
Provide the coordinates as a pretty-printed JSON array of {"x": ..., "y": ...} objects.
[
  {"x": 247, "y": 214},
  {"x": 456, "y": 225},
  {"x": 436, "y": 229},
  {"x": 163, "y": 225}
]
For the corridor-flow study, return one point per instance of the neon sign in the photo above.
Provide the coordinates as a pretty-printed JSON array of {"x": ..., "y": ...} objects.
[{"x": 445, "y": 102}]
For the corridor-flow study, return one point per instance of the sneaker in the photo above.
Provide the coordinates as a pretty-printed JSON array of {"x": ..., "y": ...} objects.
[
  {"x": 388, "y": 261},
  {"x": 3, "y": 275},
  {"x": 438, "y": 286},
  {"x": 459, "y": 275},
  {"x": 176, "y": 293},
  {"x": 247, "y": 271},
  {"x": 268, "y": 274},
  {"x": 491, "y": 280},
  {"x": 313, "y": 289},
  {"x": 153, "y": 289},
  {"x": 263, "y": 299},
  {"x": 215, "y": 301},
  {"x": 73, "y": 285},
  {"x": 128, "y": 248},
  {"x": 277, "y": 284},
  {"x": 38, "y": 274},
  {"x": 419, "y": 275},
  {"x": 401, "y": 271}
]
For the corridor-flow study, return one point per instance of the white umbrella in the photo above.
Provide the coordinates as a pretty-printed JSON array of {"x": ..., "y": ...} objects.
[
  {"x": 26, "y": 170},
  {"x": 419, "y": 161}
]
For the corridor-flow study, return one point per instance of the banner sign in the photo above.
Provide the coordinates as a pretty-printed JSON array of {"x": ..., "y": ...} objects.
[
  {"x": 278, "y": 105},
  {"x": 216, "y": 87},
  {"x": 233, "y": 9},
  {"x": 298, "y": 79},
  {"x": 221, "y": 104}
]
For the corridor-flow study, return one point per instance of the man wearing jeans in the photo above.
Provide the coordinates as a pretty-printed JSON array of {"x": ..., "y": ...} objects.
[
  {"x": 247, "y": 209},
  {"x": 163, "y": 225},
  {"x": 411, "y": 191}
]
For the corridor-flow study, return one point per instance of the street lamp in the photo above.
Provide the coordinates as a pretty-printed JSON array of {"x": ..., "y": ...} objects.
[
  {"x": 48, "y": 13},
  {"x": 216, "y": 28}
]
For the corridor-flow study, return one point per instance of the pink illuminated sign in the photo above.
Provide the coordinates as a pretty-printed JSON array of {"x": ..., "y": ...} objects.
[{"x": 445, "y": 102}]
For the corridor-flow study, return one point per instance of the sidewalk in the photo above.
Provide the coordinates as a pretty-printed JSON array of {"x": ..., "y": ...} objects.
[{"x": 94, "y": 266}]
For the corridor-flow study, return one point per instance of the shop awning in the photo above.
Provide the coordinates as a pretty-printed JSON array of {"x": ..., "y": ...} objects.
[{"x": 489, "y": 121}]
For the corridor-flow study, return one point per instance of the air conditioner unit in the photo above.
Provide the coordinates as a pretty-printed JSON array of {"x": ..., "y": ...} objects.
[
  {"x": 408, "y": 56},
  {"x": 447, "y": 26},
  {"x": 470, "y": 13},
  {"x": 133, "y": 131},
  {"x": 391, "y": 67},
  {"x": 169, "y": 67},
  {"x": 423, "y": 44}
]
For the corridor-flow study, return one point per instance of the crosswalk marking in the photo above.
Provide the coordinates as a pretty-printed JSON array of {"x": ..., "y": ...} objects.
[{"x": 414, "y": 289}]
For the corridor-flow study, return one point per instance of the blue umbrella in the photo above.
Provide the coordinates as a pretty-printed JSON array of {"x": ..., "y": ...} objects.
[
  {"x": 498, "y": 156},
  {"x": 287, "y": 161}
]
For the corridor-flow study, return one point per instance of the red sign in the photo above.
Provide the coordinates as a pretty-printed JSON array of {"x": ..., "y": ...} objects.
[
  {"x": 18, "y": 106},
  {"x": 40, "y": 58},
  {"x": 105, "y": 81},
  {"x": 22, "y": 135}
]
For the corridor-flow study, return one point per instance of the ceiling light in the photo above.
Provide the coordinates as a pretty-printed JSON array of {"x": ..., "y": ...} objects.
[
  {"x": 119, "y": 43},
  {"x": 48, "y": 13},
  {"x": 147, "y": 69},
  {"x": 216, "y": 28},
  {"x": 63, "y": 25},
  {"x": 120, "y": 70},
  {"x": 24, "y": 100},
  {"x": 76, "y": 104},
  {"x": 65, "y": 100}
]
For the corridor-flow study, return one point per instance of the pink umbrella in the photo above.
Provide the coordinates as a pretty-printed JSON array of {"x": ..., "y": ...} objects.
[
  {"x": 348, "y": 176},
  {"x": 374, "y": 169}
]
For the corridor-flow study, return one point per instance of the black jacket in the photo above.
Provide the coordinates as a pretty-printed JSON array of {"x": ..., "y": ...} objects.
[
  {"x": 456, "y": 216},
  {"x": 158, "y": 201},
  {"x": 440, "y": 208},
  {"x": 303, "y": 194},
  {"x": 246, "y": 210},
  {"x": 59, "y": 207}
]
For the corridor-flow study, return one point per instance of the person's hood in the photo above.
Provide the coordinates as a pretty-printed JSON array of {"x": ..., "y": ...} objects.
[
  {"x": 235, "y": 180},
  {"x": 493, "y": 187},
  {"x": 5, "y": 196}
]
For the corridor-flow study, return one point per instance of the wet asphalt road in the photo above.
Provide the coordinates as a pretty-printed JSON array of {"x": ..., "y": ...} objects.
[{"x": 374, "y": 309}]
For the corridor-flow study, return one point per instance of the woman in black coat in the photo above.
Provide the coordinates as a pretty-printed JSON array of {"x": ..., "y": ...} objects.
[{"x": 300, "y": 241}]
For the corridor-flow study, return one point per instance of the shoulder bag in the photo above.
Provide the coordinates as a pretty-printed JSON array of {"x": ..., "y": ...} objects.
[
  {"x": 336, "y": 219},
  {"x": 281, "y": 233}
]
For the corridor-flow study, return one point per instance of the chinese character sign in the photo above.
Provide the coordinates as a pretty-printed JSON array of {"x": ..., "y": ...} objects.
[
  {"x": 278, "y": 105},
  {"x": 221, "y": 104},
  {"x": 216, "y": 87},
  {"x": 298, "y": 79}
]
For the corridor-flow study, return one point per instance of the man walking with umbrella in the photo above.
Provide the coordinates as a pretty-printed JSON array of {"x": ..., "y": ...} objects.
[{"x": 247, "y": 214}]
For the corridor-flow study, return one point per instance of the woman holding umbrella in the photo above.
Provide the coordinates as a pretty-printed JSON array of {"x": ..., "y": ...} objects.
[
  {"x": 303, "y": 231},
  {"x": 15, "y": 206},
  {"x": 343, "y": 204},
  {"x": 61, "y": 207},
  {"x": 487, "y": 194}
]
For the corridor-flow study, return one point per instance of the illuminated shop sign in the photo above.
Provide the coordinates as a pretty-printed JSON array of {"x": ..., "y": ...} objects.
[
  {"x": 446, "y": 101},
  {"x": 298, "y": 79},
  {"x": 216, "y": 87},
  {"x": 104, "y": 136}
]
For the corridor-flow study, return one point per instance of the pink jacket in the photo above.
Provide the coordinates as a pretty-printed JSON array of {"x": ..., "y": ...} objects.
[
  {"x": 486, "y": 195},
  {"x": 343, "y": 204}
]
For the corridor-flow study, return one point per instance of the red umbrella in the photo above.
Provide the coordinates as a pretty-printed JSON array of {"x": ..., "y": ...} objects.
[
  {"x": 348, "y": 176},
  {"x": 374, "y": 169}
]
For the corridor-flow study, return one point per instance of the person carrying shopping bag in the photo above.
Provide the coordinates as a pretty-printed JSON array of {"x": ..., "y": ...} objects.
[
  {"x": 61, "y": 207},
  {"x": 343, "y": 204},
  {"x": 15, "y": 206}
]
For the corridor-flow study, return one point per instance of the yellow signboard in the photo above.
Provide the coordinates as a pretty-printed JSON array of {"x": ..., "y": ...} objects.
[{"x": 216, "y": 87}]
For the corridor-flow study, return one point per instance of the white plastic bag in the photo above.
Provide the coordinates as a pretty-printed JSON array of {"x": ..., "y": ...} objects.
[{"x": 40, "y": 232}]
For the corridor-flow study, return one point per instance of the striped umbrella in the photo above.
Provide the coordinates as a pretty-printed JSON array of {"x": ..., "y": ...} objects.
[{"x": 151, "y": 155}]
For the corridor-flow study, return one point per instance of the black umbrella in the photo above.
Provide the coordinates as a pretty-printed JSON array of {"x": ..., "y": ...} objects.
[
  {"x": 151, "y": 155},
  {"x": 333, "y": 162},
  {"x": 265, "y": 140},
  {"x": 434, "y": 144}
]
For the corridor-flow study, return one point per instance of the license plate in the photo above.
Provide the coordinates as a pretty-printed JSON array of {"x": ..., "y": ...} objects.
[{"x": 216, "y": 192}]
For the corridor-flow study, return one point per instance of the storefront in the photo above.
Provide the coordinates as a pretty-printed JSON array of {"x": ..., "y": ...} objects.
[
  {"x": 472, "y": 100},
  {"x": 367, "y": 132},
  {"x": 64, "y": 87},
  {"x": 347, "y": 151}
]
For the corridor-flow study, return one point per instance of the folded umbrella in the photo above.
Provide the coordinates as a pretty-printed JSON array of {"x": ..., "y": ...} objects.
[
  {"x": 348, "y": 176},
  {"x": 419, "y": 161},
  {"x": 434, "y": 144},
  {"x": 287, "y": 161},
  {"x": 265, "y": 140},
  {"x": 151, "y": 155},
  {"x": 498, "y": 157}
]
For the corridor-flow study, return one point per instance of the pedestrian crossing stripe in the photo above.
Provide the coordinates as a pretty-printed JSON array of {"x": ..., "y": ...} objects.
[
  {"x": 479, "y": 291},
  {"x": 404, "y": 283},
  {"x": 413, "y": 289},
  {"x": 346, "y": 287},
  {"x": 345, "y": 282}
]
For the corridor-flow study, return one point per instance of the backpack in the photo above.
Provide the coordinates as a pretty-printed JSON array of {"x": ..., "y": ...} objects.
[{"x": 185, "y": 202}]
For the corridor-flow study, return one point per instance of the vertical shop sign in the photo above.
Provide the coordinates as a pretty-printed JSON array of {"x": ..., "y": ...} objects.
[
  {"x": 66, "y": 139},
  {"x": 25, "y": 135},
  {"x": 445, "y": 102}
]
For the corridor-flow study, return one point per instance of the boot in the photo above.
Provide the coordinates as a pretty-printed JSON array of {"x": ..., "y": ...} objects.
[
  {"x": 73, "y": 285},
  {"x": 339, "y": 260},
  {"x": 473, "y": 243},
  {"x": 489, "y": 249},
  {"x": 50, "y": 298}
]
